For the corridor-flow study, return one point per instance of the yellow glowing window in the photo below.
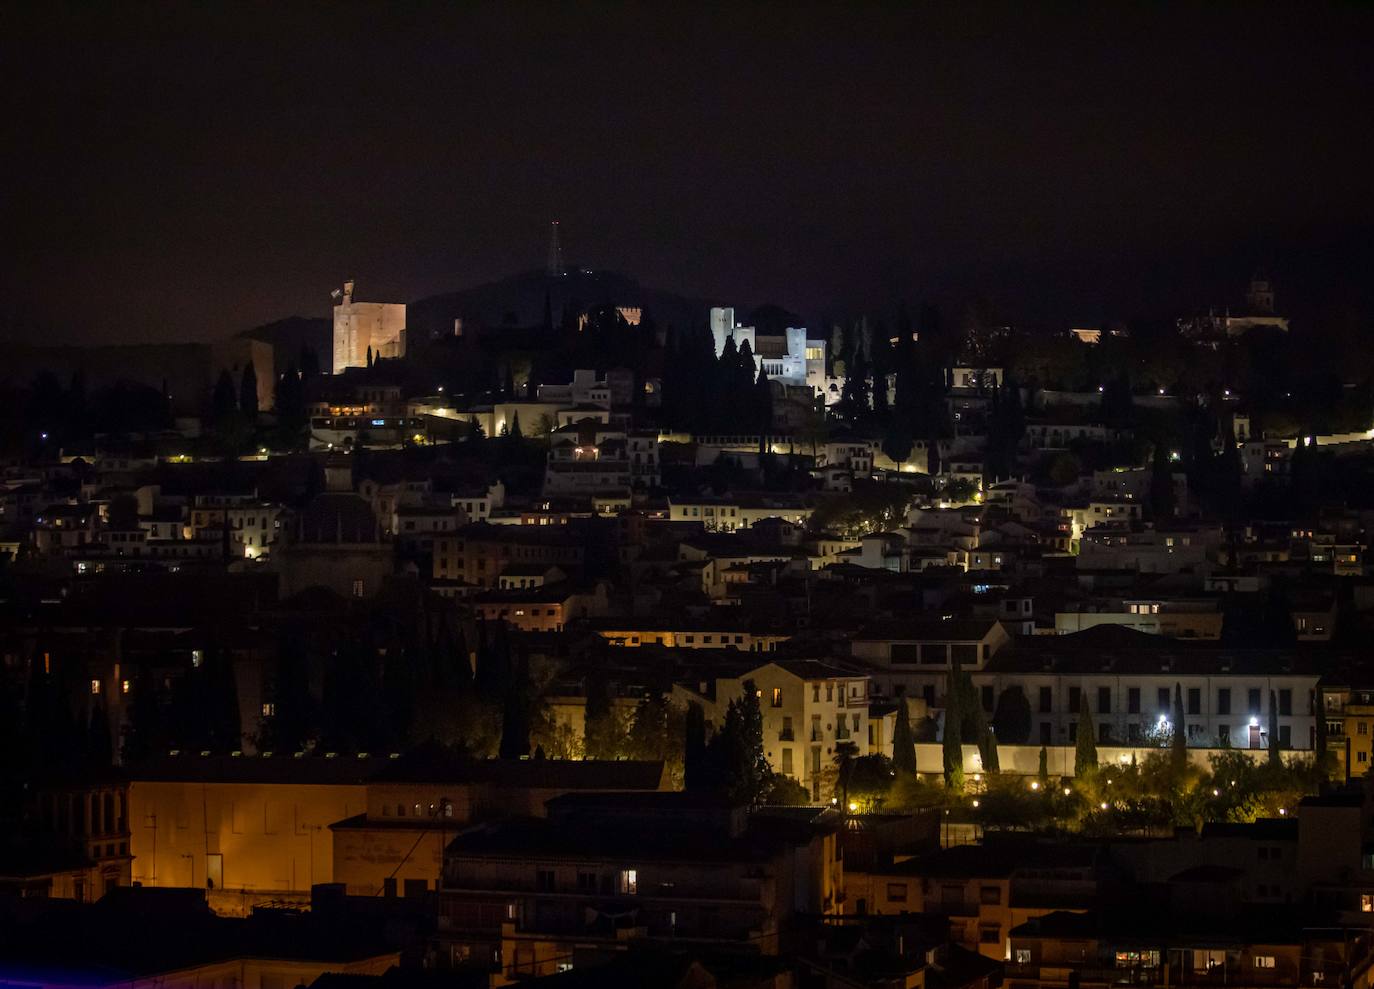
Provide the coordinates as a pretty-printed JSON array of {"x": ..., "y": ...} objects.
[{"x": 95, "y": 686}]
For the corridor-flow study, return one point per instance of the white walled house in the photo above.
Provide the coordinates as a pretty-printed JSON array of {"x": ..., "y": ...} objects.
[
  {"x": 1129, "y": 678},
  {"x": 914, "y": 658},
  {"x": 808, "y": 707}
]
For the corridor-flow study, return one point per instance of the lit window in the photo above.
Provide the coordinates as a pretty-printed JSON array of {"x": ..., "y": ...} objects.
[
  {"x": 269, "y": 709},
  {"x": 197, "y": 657},
  {"x": 1264, "y": 961},
  {"x": 95, "y": 686},
  {"x": 629, "y": 881},
  {"x": 124, "y": 686},
  {"x": 777, "y": 697},
  {"x": 1366, "y": 903}
]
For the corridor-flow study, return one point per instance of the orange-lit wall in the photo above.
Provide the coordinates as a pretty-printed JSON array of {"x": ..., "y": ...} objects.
[{"x": 273, "y": 837}]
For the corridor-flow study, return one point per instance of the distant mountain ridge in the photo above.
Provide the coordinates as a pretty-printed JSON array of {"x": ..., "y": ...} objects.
[{"x": 520, "y": 299}]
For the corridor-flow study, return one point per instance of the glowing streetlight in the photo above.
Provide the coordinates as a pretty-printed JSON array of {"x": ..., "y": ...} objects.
[
  {"x": 1103, "y": 805},
  {"x": 853, "y": 806},
  {"x": 1035, "y": 785}
]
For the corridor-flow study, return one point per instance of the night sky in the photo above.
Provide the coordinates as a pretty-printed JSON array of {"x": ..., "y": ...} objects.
[{"x": 184, "y": 171}]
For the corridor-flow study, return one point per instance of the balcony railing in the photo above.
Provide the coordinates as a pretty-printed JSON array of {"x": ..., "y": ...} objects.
[{"x": 787, "y": 735}]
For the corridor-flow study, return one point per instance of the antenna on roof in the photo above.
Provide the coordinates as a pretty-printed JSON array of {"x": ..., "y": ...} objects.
[{"x": 557, "y": 267}]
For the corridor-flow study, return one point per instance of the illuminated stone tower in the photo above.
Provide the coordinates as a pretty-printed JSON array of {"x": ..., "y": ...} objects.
[{"x": 363, "y": 327}]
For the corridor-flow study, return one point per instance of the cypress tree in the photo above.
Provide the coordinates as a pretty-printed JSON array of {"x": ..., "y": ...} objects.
[
  {"x": 1322, "y": 742},
  {"x": 248, "y": 392},
  {"x": 1179, "y": 748},
  {"x": 1085, "y": 740},
  {"x": 648, "y": 735},
  {"x": 515, "y": 718},
  {"x": 1044, "y": 769},
  {"x": 952, "y": 742},
  {"x": 1275, "y": 753},
  {"x": 1012, "y": 719},
  {"x": 903, "y": 743},
  {"x": 763, "y": 402},
  {"x": 748, "y": 770},
  {"x": 992, "y": 763},
  {"x": 224, "y": 403},
  {"x": 600, "y": 735},
  {"x": 695, "y": 772}
]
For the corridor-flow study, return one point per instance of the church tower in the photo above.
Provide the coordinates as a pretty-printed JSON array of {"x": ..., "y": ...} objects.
[{"x": 1260, "y": 296}]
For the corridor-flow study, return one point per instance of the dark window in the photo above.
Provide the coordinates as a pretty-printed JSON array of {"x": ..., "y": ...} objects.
[
  {"x": 543, "y": 879},
  {"x": 1285, "y": 736},
  {"x": 1163, "y": 696},
  {"x": 1104, "y": 732},
  {"x": 934, "y": 653},
  {"x": 1045, "y": 735},
  {"x": 1224, "y": 700},
  {"x": 1104, "y": 700},
  {"x": 905, "y": 652},
  {"x": 1253, "y": 702},
  {"x": 965, "y": 652},
  {"x": 1075, "y": 698},
  {"x": 1285, "y": 702},
  {"x": 1046, "y": 700},
  {"x": 928, "y": 692},
  {"x": 1194, "y": 700},
  {"x": 1133, "y": 700},
  {"x": 987, "y": 698},
  {"x": 1073, "y": 732}
]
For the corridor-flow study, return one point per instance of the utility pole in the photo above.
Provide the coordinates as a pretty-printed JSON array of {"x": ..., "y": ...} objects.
[{"x": 557, "y": 267}]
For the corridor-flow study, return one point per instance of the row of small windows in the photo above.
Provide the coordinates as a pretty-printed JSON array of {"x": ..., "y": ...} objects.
[
  {"x": 1164, "y": 700},
  {"x": 444, "y": 808}
]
